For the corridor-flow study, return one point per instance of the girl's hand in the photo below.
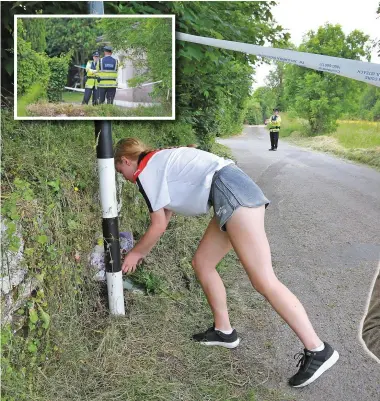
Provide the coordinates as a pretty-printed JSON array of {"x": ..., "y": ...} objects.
[{"x": 131, "y": 261}]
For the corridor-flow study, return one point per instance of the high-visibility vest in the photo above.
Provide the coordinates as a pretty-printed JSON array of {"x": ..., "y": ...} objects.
[
  {"x": 91, "y": 80},
  {"x": 107, "y": 76},
  {"x": 275, "y": 123}
]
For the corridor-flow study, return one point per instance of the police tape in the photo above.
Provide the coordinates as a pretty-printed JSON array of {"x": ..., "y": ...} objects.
[
  {"x": 355, "y": 69},
  {"x": 151, "y": 83}
]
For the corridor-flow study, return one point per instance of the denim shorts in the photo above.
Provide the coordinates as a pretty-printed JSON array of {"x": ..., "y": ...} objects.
[{"x": 230, "y": 189}]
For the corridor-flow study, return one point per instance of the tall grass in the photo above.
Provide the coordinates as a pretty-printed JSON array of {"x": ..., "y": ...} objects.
[
  {"x": 358, "y": 134},
  {"x": 354, "y": 140}
]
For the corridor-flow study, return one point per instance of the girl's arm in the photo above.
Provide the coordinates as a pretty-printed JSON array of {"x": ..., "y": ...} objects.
[{"x": 159, "y": 221}]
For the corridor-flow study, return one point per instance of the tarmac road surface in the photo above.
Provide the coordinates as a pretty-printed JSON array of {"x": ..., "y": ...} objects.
[{"x": 323, "y": 225}]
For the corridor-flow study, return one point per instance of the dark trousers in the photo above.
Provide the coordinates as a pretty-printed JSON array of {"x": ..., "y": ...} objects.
[
  {"x": 87, "y": 96},
  {"x": 274, "y": 139},
  {"x": 106, "y": 93}
]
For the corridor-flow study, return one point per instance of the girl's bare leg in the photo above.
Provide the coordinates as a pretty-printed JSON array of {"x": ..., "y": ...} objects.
[
  {"x": 247, "y": 236},
  {"x": 214, "y": 245}
]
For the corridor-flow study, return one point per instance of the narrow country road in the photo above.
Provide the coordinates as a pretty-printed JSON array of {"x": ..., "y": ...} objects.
[{"x": 323, "y": 228}]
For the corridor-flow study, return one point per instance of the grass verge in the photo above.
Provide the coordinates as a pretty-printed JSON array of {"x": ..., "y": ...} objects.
[
  {"x": 358, "y": 141},
  {"x": 72, "y": 97},
  {"x": 44, "y": 109},
  {"x": 35, "y": 92}
]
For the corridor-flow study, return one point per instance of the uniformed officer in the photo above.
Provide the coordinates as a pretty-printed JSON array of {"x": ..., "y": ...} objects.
[
  {"x": 92, "y": 69},
  {"x": 274, "y": 129},
  {"x": 107, "y": 76}
]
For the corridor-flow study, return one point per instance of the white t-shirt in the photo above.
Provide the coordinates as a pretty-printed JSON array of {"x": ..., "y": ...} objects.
[{"x": 178, "y": 179}]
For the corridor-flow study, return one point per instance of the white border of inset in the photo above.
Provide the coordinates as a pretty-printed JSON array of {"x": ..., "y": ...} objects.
[
  {"x": 373, "y": 356},
  {"x": 172, "y": 16}
]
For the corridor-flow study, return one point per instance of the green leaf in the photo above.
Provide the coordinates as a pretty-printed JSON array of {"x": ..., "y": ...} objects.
[
  {"x": 14, "y": 248},
  {"x": 29, "y": 251},
  {"x": 192, "y": 52},
  {"x": 72, "y": 224},
  {"x": 32, "y": 348},
  {"x": 42, "y": 239},
  {"x": 45, "y": 318},
  {"x": 33, "y": 316}
]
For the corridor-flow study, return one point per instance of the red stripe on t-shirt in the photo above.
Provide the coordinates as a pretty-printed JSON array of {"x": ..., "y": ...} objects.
[{"x": 143, "y": 164}]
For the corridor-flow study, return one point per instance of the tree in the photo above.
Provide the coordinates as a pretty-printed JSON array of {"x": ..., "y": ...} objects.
[
  {"x": 369, "y": 103},
  {"x": 322, "y": 97},
  {"x": 148, "y": 43},
  {"x": 254, "y": 115},
  {"x": 266, "y": 98},
  {"x": 75, "y": 35},
  {"x": 35, "y": 33},
  {"x": 8, "y": 10},
  {"x": 376, "y": 42},
  {"x": 275, "y": 81},
  {"x": 212, "y": 85},
  {"x": 32, "y": 67}
]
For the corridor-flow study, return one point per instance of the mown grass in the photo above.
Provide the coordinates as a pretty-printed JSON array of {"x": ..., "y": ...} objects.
[
  {"x": 358, "y": 141},
  {"x": 146, "y": 355},
  {"x": 45, "y": 109},
  {"x": 33, "y": 94},
  {"x": 72, "y": 97}
]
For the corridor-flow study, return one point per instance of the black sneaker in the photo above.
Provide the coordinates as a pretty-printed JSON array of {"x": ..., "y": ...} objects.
[
  {"x": 313, "y": 364},
  {"x": 216, "y": 337},
  {"x": 271, "y": 149}
]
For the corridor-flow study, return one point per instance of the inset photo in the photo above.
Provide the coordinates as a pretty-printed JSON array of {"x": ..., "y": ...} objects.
[{"x": 86, "y": 67}]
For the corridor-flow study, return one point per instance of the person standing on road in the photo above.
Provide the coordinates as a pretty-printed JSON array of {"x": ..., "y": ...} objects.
[
  {"x": 107, "y": 76},
  {"x": 274, "y": 129},
  {"x": 188, "y": 181},
  {"x": 92, "y": 69}
]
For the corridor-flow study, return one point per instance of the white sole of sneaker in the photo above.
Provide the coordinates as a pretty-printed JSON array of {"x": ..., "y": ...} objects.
[
  {"x": 221, "y": 344},
  {"x": 327, "y": 365}
]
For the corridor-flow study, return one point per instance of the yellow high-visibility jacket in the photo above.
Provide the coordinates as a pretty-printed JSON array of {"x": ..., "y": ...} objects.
[
  {"x": 107, "y": 76},
  {"x": 274, "y": 123},
  {"x": 91, "y": 80}
]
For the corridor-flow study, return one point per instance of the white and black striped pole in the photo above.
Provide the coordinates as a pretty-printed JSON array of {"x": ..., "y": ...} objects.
[{"x": 107, "y": 188}]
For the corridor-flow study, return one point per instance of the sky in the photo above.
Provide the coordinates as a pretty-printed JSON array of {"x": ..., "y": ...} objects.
[{"x": 300, "y": 16}]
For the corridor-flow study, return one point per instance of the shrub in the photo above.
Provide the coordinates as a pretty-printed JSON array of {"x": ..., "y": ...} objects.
[
  {"x": 32, "y": 67},
  {"x": 254, "y": 113},
  {"x": 59, "y": 67},
  {"x": 376, "y": 111}
]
